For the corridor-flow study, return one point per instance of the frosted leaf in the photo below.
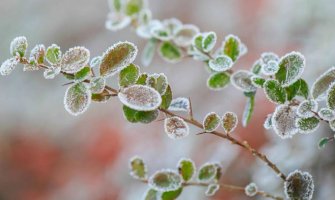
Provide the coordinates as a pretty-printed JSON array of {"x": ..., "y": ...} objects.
[
  {"x": 307, "y": 125},
  {"x": 117, "y": 21},
  {"x": 267, "y": 57},
  {"x": 184, "y": 35},
  {"x": 332, "y": 125},
  {"x": 256, "y": 67},
  {"x": 129, "y": 75},
  {"x": 274, "y": 92},
  {"x": 257, "y": 81},
  {"x": 291, "y": 67},
  {"x": 323, "y": 142},
  {"x": 102, "y": 97},
  {"x": 52, "y": 72},
  {"x": 299, "y": 186},
  {"x": 53, "y": 54},
  {"x": 283, "y": 121},
  {"x": 243, "y": 49},
  {"x": 176, "y": 127},
  {"x": 249, "y": 108},
  {"x": 149, "y": 52},
  {"x": 135, "y": 116},
  {"x": 166, "y": 98},
  {"x": 161, "y": 33},
  {"x": 19, "y": 46},
  {"x": 218, "y": 81},
  {"x": 212, "y": 189},
  {"x": 242, "y": 81},
  {"x": 229, "y": 122},
  {"x": 331, "y": 96},
  {"x": 38, "y": 53},
  {"x": 268, "y": 122},
  {"x": 138, "y": 168},
  {"x": 231, "y": 47},
  {"x": 75, "y": 59},
  {"x": 197, "y": 54},
  {"x": 158, "y": 81},
  {"x": 171, "y": 195},
  {"x": 151, "y": 194},
  {"x": 209, "y": 41},
  {"x": 144, "y": 17},
  {"x": 211, "y": 122},
  {"x": 140, "y": 98},
  {"x": 221, "y": 63},
  {"x": 97, "y": 85},
  {"x": 31, "y": 66},
  {"x": 218, "y": 173},
  {"x": 321, "y": 85},
  {"x": 170, "y": 52},
  {"x": 96, "y": 61},
  {"x": 133, "y": 7},
  {"x": 270, "y": 68},
  {"x": 77, "y": 98},
  {"x": 83, "y": 74},
  {"x": 186, "y": 169},
  {"x": 307, "y": 108},
  {"x": 180, "y": 104},
  {"x": 8, "y": 66},
  {"x": 165, "y": 180},
  {"x": 142, "y": 79},
  {"x": 299, "y": 88},
  {"x": 251, "y": 189},
  {"x": 326, "y": 114},
  {"x": 207, "y": 173},
  {"x": 144, "y": 31},
  {"x": 172, "y": 24},
  {"x": 117, "y": 57}
]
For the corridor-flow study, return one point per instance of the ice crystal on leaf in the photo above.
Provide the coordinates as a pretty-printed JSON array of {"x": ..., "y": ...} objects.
[
  {"x": 209, "y": 41},
  {"x": 221, "y": 63},
  {"x": 212, "y": 189},
  {"x": 8, "y": 66},
  {"x": 274, "y": 91},
  {"x": 19, "y": 46},
  {"x": 326, "y": 114},
  {"x": 117, "y": 21},
  {"x": 218, "y": 81},
  {"x": 180, "y": 104},
  {"x": 158, "y": 81},
  {"x": 52, "y": 72},
  {"x": 331, "y": 96},
  {"x": 207, "y": 172},
  {"x": 232, "y": 47},
  {"x": 176, "y": 127},
  {"x": 138, "y": 168},
  {"x": 77, "y": 98},
  {"x": 307, "y": 108},
  {"x": 299, "y": 186},
  {"x": 95, "y": 62},
  {"x": 267, "y": 57},
  {"x": 165, "y": 180},
  {"x": 184, "y": 35},
  {"x": 242, "y": 81},
  {"x": 129, "y": 75},
  {"x": 283, "y": 121},
  {"x": 53, "y": 54},
  {"x": 258, "y": 81},
  {"x": 307, "y": 125},
  {"x": 140, "y": 97},
  {"x": 37, "y": 55},
  {"x": 75, "y": 59},
  {"x": 268, "y": 122},
  {"x": 97, "y": 85},
  {"x": 270, "y": 68},
  {"x": 229, "y": 122},
  {"x": 211, "y": 122},
  {"x": 251, "y": 189},
  {"x": 321, "y": 85}
]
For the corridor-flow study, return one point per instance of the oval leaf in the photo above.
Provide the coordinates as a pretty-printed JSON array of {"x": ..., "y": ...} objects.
[
  {"x": 75, "y": 59},
  {"x": 19, "y": 46},
  {"x": 165, "y": 180},
  {"x": 321, "y": 85},
  {"x": 221, "y": 63},
  {"x": 242, "y": 81},
  {"x": 170, "y": 52},
  {"x": 138, "y": 168},
  {"x": 274, "y": 92},
  {"x": 77, "y": 98},
  {"x": 283, "y": 121},
  {"x": 207, "y": 173},
  {"x": 129, "y": 75},
  {"x": 8, "y": 66},
  {"x": 211, "y": 122},
  {"x": 229, "y": 122},
  {"x": 218, "y": 81},
  {"x": 186, "y": 168},
  {"x": 176, "y": 127}
]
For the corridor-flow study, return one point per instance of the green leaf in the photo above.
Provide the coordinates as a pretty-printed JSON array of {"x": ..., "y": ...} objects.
[
  {"x": 231, "y": 47},
  {"x": 158, "y": 81},
  {"x": 172, "y": 195},
  {"x": 140, "y": 97},
  {"x": 321, "y": 85},
  {"x": 212, "y": 189},
  {"x": 53, "y": 54},
  {"x": 221, "y": 63},
  {"x": 75, "y": 59},
  {"x": 331, "y": 96},
  {"x": 19, "y": 46},
  {"x": 299, "y": 88},
  {"x": 133, "y": 7},
  {"x": 326, "y": 114},
  {"x": 128, "y": 75},
  {"x": 207, "y": 173},
  {"x": 117, "y": 5},
  {"x": 166, "y": 98},
  {"x": 149, "y": 52},
  {"x": 82, "y": 74},
  {"x": 138, "y": 168},
  {"x": 142, "y": 79},
  {"x": 186, "y": 169},
  {"x": 256, "y": 67},
  {"x": 197, "y": 41},
  {"x": 211, "y": 122},
  {"x": 248, "y": 109},
  {"x": 291, "y": 67},
  {"x": 258, "y": 81},
  {"x": 307, "y": 125},
  {"x": 151, "y": 194},
  {"x": 102, "y": 97},
  {"x": 135, "y": 116},
  {"x": 38, "y": 53},
  {"x": 284, "y": 121},
  {"x": 229, "y": 122},
  {"x": 323, "y": 142},
  {"x": 97, "y": 85},
  {"x": 218, "y": 81},
  {"x": 170, "y": 52},
  {"x": 117, "y": 57},
  {"x": 218, "y": 172},
  {"x": 77, "y": 98},
  {"x": 165, "y": 180},
  {"x": 209, "y": 41},
  {"x": 275, "y": 92}
]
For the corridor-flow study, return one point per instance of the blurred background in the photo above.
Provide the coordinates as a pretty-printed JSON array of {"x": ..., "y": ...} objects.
[{"x": 47, "y": 154}]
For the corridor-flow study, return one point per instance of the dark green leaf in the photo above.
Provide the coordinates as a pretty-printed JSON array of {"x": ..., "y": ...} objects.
[
  {"x": 275, "y": 92},
  {"x": 172, "y": 195},
  {"x": 170, "y": 52},
  {"x": 186, "y": 169},
  {"x": 218, "y": 81},
  {"x": 128, "y": 75}
]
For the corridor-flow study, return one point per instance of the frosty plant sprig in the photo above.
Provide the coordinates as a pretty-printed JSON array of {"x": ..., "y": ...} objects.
[{"x": 145, "y": 96}]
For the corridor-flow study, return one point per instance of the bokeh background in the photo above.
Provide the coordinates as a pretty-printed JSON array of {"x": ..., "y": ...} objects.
[{"x": 46, "y": 154}]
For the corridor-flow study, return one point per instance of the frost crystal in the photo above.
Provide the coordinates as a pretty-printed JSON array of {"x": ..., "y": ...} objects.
[
  {"x": 138, "y": 168},
  {"x": 77, "y": 98},
  {"x": 251, "y": 190},
  {"x": 211, "y": 122},
  {"x": 307, "y": 108},
  {"x": 307, "y": 125},
  {"x": 97, "y": 85},
  {"x": 38, "y": 53},
  {"x": 75, "y": 59},
  {"x": 212, "y": 189},
  {"x": 95, "y": 62},
  {"x": 117, "y": 21},
  {"x": 19, "y": 46},
  {"x": 53, "y": 54},
  {"x": 221, "y": 63},
  {"x": 176, "y": 127},
  {"x": 268, "y": 122},
  {"x": 326, "y": 114},
  {"x": 180, "y": 104},
  {"x": 8, "y": 66},
  {"x": 229, "y": 122},
  {"x": 283, "y": 121},
  {"x": 242, "y": 80},
  {"x": 158, "y": 81},
  {"x": 165, "y": 180},
  {"x": 321, "y": 85},
  {"x": 209, "y": 41},
  {"x": 140, "y": 98},
  {"x": 270, "y": 68},
  {"x": 184, "y": 36},
  {"x": 299, "y": 186},
  {"x": 51, "y": 73},
  {"x": 267, "y": 57}
]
